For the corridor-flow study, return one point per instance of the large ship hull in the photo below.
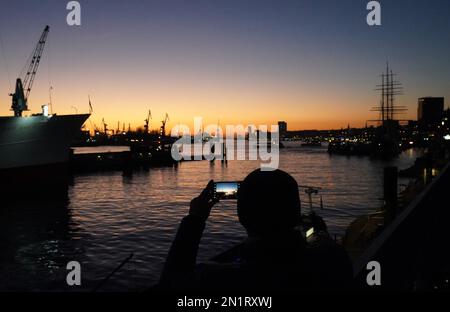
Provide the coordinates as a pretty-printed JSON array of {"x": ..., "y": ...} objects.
[
  {"x": 37, "y": 140},
  {"x": 34, "y": 151}
]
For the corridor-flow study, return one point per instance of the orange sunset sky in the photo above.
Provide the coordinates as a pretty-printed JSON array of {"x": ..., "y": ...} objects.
[{"x": 313, "y": 65}]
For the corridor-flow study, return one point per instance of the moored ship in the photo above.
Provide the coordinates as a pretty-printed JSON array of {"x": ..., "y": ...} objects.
[
  {"x": 37, "y": 140},
  {"x": 35, "y": 150}
]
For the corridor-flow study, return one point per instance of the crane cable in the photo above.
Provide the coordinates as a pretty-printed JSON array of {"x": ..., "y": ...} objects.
[
  {"x": 23, "y": 72},
  {"x": 49, "y": 73},
  {"x": 2, "y": 51}
]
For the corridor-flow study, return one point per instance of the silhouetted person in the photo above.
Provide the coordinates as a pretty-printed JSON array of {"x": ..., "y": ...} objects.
[{"x": 275, "y": 256}]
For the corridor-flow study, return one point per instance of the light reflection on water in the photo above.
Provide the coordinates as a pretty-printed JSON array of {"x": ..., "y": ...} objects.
[{"x": 108, "y": 216}]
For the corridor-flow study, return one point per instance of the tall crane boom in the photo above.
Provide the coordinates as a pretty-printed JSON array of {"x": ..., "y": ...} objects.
[
  {"x": 24, "y": 86},
  {"x": 147, "y": 121}
]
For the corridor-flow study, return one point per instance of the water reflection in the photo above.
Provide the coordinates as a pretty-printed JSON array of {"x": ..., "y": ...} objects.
[
  {"x": 112, "y": 214},
  {"x": 36, "y": 244}
]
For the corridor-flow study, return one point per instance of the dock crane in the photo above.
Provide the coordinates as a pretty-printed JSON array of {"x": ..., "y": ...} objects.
[
  {"x": 147, "y": 122},
  {"x": 162, "y": 131},
  {"x": 24, "y": 86},
  {"x": 105, "y": 127}
]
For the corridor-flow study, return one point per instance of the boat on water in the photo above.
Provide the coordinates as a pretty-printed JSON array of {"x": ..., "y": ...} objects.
[
  {"x": 312, "y": 143},
  {"x": 35, "y": 149}
]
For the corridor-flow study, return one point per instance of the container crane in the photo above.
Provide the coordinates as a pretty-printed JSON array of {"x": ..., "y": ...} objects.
[
  {"x": 147, "y": 122},
  {"x": 24, "y": 86},
  {"x": 105, "y": 127},
  {"x": 162, "y": 131}
]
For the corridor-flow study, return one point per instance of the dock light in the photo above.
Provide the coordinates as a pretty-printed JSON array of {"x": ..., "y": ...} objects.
[
  {"x": 45, "y": 110},
  {"x": 447, "y": 137}
]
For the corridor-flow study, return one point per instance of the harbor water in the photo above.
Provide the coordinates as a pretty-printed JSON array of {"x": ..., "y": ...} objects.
[{"x": 109, "y": 215}]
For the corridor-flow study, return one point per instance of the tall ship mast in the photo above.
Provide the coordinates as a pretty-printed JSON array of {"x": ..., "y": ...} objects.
[
  {"x": 386, "y": 141},
  {"x": 390, "y": 89}
]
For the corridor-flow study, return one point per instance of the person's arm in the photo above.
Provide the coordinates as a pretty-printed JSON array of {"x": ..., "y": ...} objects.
[
  {"x": 183, "y": 252},
  {"x": 182, "y": 256}
]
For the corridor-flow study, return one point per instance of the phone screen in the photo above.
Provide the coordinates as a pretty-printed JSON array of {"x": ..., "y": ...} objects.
[{"x": 226, "y": 190}]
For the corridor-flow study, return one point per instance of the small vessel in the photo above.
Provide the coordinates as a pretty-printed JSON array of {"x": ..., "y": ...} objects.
[
  {"x": 312, "y": 143},
  {"x": 34, "y": 150}
]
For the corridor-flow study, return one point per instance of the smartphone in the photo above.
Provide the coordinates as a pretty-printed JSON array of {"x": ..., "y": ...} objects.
[{"x": 226, "y": 190}]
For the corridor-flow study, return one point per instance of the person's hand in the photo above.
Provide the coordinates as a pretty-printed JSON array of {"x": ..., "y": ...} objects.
[
  {"x": 201, "y": 205},
  {"x": 318, "y": 223},
  {"x": 315, "y": 221}
]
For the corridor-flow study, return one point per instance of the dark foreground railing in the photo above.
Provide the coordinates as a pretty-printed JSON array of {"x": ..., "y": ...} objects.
[{"x": 414, "y": 249}]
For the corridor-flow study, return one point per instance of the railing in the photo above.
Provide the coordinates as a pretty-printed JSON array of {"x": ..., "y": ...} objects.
[{"x": 401, "y": 247}]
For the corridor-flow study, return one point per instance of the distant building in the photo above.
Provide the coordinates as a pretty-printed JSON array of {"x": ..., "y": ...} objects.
[
  {"x": 282, "y": 128},
  {"x": 430, "y": 110},
  {"x": 412, "y": 124}
]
